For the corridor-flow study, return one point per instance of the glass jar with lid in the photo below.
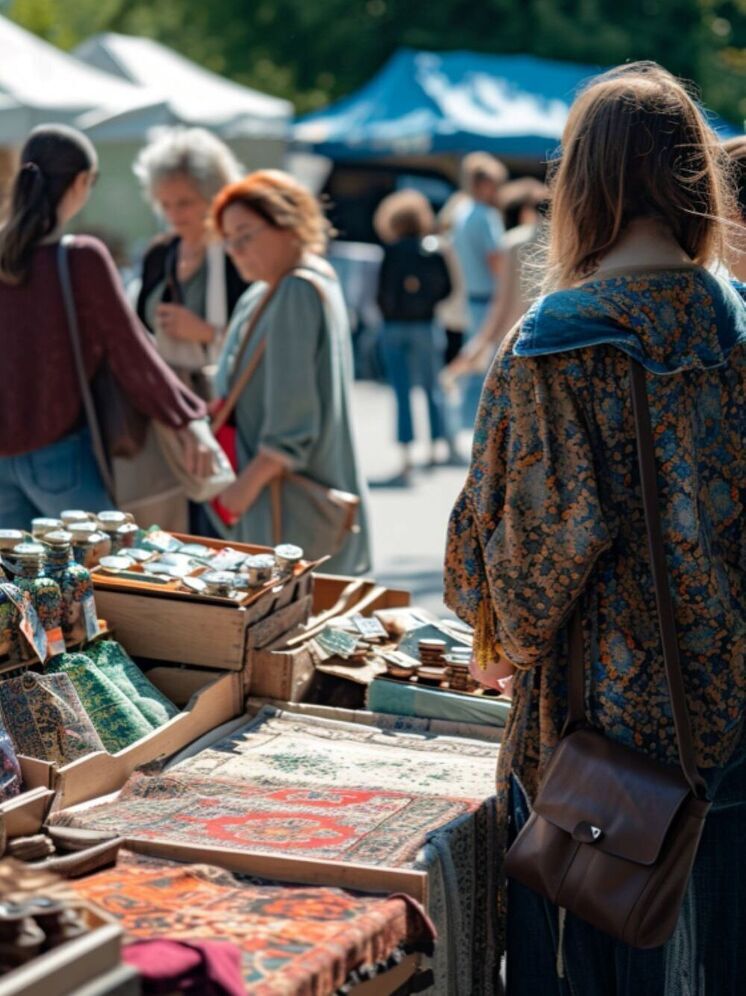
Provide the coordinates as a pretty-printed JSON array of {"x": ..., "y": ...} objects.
[
  {"x": 79, "y": 620},
  {"x": 44, "y": 594},
  {"x": 110, "y": 522},
  {"x": 41, "y": 526},
  {"x": 9, "y": 540}
]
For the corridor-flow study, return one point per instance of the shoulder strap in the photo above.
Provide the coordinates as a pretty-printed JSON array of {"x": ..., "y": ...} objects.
[
  {"x": 94, "y": 427},
  {"x": 242, "y": 381},
  {"x": 663, "y": 598}
]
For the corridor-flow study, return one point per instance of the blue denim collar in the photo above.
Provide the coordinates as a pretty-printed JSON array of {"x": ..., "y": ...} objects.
[{"x": 669, "y": 320}]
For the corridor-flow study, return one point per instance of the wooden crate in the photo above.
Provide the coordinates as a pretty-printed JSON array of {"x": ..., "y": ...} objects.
[
  {"x": 24, "y": 814},
  {"x": 65, "y": 969},
  {"x": 194, "y": 632},
  {"x": 284, "y": 669},
  {"x": 97, "y": 774},
  {"x": 289, "y": 868}
]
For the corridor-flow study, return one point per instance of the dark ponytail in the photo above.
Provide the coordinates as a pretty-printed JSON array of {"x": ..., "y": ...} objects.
[{"x": 51, "y": 159}]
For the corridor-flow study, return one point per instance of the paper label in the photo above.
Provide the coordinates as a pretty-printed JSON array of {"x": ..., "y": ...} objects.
[
  {"x": 335, "y": 642},
  {"x": 91, "y": 619},
  {"x": 55, "y": 641},
  {"x": 30, "y": 625}
]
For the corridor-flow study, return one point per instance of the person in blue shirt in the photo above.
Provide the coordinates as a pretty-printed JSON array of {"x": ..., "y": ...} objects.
[{"x": 477, "y": 236}]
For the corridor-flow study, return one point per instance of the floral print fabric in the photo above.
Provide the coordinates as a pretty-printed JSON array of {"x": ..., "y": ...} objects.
[
  {"x": 10, "y": 771},
  {"x": 552, "y": 512},
  {"x": 46, "y": 719},
  {"x": 117, "y": 720},
  {"x": 294, "y": 940}
]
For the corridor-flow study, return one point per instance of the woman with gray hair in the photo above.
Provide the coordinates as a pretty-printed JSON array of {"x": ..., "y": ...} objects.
[{"x": 189, "y": 286}]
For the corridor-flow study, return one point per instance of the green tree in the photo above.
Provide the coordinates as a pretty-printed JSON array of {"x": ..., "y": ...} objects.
[{"x": 316, "y": 52}]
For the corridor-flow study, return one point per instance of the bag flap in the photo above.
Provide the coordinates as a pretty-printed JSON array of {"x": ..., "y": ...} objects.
[{"x": 593, "y": 784}]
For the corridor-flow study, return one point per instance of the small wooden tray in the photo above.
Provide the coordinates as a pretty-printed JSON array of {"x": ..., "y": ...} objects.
[{"x": 172, "y": 589}]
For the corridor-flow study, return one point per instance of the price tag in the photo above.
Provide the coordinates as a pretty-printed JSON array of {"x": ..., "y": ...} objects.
[
  {"x": 30, "y": 625},
  {"x": 370, "y": 628},
  {"x": 90, "y": 616},
  {"x": 55, "y": 641}
]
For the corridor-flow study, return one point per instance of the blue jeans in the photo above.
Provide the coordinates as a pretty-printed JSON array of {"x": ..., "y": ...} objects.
[
  {"x": 412, "y": 353},
  {"x": 471, "y": 385},
  {"x": 703, "y": 957},
  {"x": 46, "y": 481}
]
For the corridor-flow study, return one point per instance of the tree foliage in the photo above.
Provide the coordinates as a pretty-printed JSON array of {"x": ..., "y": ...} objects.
[{"x": 315, "y": 52}]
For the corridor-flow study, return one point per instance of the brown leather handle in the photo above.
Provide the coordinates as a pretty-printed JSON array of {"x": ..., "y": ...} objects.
[
  {"x": 664, "y": 602},
  {"x": 663, "y": 598}
]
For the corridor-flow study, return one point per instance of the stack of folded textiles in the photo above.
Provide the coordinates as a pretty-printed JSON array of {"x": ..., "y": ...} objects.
[{"x": 84, "y": 702}]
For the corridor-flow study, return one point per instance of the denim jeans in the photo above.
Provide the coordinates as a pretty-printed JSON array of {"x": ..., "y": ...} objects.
[
  {"x": 46, "y": 481},
  {"x": 412, "y": 353},
  {"x": 471, "y": 385},
  {"x": 702, "y": 958}
]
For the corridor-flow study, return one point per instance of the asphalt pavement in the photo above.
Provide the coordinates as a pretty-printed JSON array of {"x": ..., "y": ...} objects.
[{"x": 408, "y": 523}]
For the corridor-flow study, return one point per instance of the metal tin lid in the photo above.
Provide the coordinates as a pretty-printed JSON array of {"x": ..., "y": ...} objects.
[
  {"x": 260, "y": 562},
  {"x": 29, "y": 552},
  {"x": 71, "y": 515},
  {"x": 58, "y": 538},
  {"x": 83, "y": 532},
  {"x": 41, "y": 526},
  {"x": 289, "y": 552},
  {"x": 111, "y": 520},
  {"x": 116, "y": 563},
  {"x": 219, "y": 582},
  {"x": 11, "y": 538}
]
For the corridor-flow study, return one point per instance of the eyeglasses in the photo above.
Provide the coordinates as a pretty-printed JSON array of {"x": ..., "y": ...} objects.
[{"x": 241, "y": 241}]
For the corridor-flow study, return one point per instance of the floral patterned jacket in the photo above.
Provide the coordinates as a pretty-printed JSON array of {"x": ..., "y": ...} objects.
[{"x": 551, "y": 512}]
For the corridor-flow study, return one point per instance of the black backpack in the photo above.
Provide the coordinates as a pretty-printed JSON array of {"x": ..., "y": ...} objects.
[{"x": 414, "y": 277}]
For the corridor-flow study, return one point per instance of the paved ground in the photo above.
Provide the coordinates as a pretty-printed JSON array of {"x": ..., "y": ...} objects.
[{"x": 409, "y": 524}]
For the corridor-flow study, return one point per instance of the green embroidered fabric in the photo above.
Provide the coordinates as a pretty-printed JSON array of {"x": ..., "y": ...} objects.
[
  {"x": 45, "y": 718},
  {"x": 115, "y": 662},
  {"x": 118, "y": 721}
]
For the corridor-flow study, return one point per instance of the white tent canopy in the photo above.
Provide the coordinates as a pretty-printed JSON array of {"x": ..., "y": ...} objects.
[
  {"x": 39, "y": 83},
  {"x": 195, "y": 96}
]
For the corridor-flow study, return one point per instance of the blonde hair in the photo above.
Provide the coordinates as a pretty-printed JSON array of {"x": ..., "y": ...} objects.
[
  {"x": 405, "y": 213},
  {"x": 635, "y": 146},
  {"x": 480, "y": 166},
  {"x": 193, "y": 153},
  {"x": 282, "y": 202}
]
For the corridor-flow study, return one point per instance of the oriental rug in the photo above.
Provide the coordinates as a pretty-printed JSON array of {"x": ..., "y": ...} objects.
[
  {"x": 283, "y": 747},
  {"x": 364, "y": 826},
  {"x": 294, "y": 940}
]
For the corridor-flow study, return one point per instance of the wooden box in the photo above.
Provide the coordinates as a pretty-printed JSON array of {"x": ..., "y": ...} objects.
[
  {"x": 25, "y": 813},
  {"x": 211, "y": 705},
  {"x": 65, "y": 969},
  {"x": 284, "y": 669}
]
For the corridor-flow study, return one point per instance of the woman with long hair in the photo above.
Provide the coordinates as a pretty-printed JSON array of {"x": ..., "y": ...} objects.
[
  {"x": 551, "y": 519},
  {"x": 46, "y": 457}
]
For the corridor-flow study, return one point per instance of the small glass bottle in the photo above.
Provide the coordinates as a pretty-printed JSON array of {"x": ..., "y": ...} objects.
[
  {"x": 79, "y": 620},
  {"x": 10, "y": 616},
  {"x": 40, "y": 527},
  {"x": 110, "y": 523},
  {"x": 9, "y": 540},
  {"x": 44, "y": 593}
]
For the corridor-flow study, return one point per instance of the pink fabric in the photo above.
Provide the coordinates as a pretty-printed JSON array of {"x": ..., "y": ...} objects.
[{"x": 204, "y": 968}]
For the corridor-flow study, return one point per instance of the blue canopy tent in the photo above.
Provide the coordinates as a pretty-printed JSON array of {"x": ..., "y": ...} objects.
[{"x": 429, "y": 103}]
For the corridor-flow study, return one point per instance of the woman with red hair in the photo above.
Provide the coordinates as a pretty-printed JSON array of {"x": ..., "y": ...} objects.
[{"x": 293, "y": 415}]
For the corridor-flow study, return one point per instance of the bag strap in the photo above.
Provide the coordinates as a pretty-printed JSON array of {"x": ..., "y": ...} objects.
[
  {"x": 241, "y": 382},
  {"x": 663, "y": 597},
  {"x": 94, "y": 427}
]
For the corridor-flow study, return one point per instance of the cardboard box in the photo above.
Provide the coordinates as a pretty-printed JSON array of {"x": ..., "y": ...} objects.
[
  {"x": 284, "y": 669},
  {"x": 98, "y": 774},
  {"x": 63, "y": 970}
]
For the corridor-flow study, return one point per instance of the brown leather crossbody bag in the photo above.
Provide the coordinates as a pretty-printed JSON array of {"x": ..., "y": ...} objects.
[{"x": 614, "y": 833}]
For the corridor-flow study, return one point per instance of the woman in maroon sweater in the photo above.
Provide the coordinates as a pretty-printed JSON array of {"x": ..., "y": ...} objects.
[{"x": 46, "y": 459}]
